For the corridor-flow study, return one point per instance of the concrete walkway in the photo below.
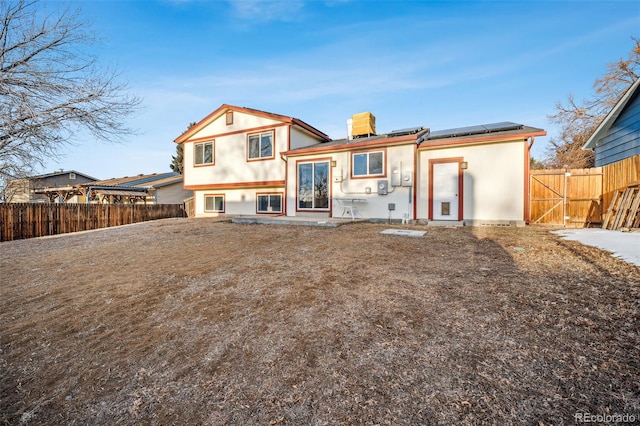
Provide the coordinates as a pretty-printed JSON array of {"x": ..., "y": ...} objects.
[
  {"x": 295, "y": 220},
  {"x": 624, "y": 245}
]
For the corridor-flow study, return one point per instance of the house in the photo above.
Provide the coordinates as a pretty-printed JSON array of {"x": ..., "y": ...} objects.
[
  {"x": 233, "y": 160},
  {"x": 618, "y": 135},
  {"x": 240, "y": 161},
  {"x": 479, "y": 173},
  {"x": 32, "y": 189},
  {"x": 155, "y": 188}
]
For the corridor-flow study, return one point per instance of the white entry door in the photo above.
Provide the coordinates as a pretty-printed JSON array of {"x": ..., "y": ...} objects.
[{"x": 445, "y": 191}]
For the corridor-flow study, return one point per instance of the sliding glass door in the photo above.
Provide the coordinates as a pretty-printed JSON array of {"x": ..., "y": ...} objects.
[{"x": 313, "y": 185}]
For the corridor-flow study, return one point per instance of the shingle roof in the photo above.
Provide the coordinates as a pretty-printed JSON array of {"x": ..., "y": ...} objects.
[
  {"x": 225, "y": 107},
  {"x": 424, "y": 136},
  {"x": 141, "y": 181},
  {"x": 473, "y": 132},
  {"x": 60, "y": 173}
]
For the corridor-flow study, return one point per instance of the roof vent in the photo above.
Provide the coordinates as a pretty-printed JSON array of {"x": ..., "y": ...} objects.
[{"x": 364, "y": 124}]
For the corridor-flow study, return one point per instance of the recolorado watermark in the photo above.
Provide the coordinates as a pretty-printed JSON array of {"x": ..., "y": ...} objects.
[{"x": 605, "y": 418}]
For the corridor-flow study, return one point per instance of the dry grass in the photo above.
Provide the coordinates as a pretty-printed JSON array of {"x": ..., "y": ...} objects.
[{"x": 200, "y": 322}]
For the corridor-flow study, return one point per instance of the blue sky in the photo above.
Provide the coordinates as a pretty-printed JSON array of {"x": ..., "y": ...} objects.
[{"x": 411, "y": 63}]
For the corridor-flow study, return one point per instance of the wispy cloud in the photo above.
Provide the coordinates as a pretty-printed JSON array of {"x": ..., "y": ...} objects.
[{"x": 266, "y": 11}]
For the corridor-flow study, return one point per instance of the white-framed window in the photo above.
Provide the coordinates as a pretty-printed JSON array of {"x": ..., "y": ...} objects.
[
  {"x": 365, "y": 164},
  {"x": 203, "y": 153},
  {"x": 260, "y": 146},
  {"x": 214, "y": 203},
  {"x": 269, "y": 203}
]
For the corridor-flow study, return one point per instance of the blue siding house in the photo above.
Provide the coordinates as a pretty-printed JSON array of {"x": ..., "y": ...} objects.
[{"x": 618, "y": 136}]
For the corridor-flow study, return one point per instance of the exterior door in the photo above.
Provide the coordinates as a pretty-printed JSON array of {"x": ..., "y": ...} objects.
[
  {"x": 445, "y": 192},
  {"x": 313, "y": 186}
]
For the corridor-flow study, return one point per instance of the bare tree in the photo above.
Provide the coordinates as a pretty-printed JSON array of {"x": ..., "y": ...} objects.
[
  {"x": 578, "y": 120},
  {"x": 50, "y": 89}
]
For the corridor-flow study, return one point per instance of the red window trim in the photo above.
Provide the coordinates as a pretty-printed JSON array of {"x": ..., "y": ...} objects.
[
  {"x": 224, "y": 203},
  {"x": 213, "y": 153},
  {"x": 369, "y": 151},
  {"x": 273, "y": 148},
  {"x": 281, "y": 194}
]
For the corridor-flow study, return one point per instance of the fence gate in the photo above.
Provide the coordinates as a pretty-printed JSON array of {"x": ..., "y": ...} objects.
[
  {"x": 190, "y": 206},
  {"x": 566, "y": 197}
]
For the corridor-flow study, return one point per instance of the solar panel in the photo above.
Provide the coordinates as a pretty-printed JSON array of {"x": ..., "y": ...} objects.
[
  {"x": 502, "y": 126},
  {"x": 475, "y": 130},
  {"x": 408, "y": 131},
  {"x": 439, "y": 134}
]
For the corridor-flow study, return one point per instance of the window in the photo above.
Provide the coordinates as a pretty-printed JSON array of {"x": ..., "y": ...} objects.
[
  {"x": 269, "y": 203},
  {"x": 203, "y": 153},
  {"x": 260, "y": 146},
  {"x": 229, "y": 117},
  {"x": 313, "y": 185},
  {"x": 368, "y": 164},
  {"x": 214, "y": 203}
]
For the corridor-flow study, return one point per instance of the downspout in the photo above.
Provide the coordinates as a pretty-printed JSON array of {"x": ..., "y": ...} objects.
[
  {"x": 527, "y": 179},
  {"x": 421, "y": 138},
  {"x": 286, "y": 177},
  {"x": 414, "y": 188}
]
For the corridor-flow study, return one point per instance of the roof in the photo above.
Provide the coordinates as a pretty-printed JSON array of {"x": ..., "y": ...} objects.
[
  {"x": 169, "y": 180},
  {"x": 141, "y": 181},
  {"x": 500, "y": 130},
  {"x": 423, "y": 137},
  {"x": 225, "y": 107},
  {"x": 475, "y": 130},
  {"x": 60, "y": 173},
  {"x": 608, "y": 121}
]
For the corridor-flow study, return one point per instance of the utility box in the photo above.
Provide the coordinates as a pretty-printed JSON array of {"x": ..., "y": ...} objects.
[
  {"x": 407, "y": 179},
  {"x": 383, "y": 187},
  {"x": 396, "y": 179},
  {"x": 392, "y": 206}
]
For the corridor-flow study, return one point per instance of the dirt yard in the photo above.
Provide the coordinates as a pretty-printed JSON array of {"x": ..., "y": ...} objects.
[{"x": 192, "y": 321}]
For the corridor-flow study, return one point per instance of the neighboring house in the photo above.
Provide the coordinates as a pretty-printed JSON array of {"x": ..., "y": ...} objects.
[
  {"x": 155, "y": 188},
  {"x": 32, "y": 189},
  {"x": 241, "y": 161},
  {"x": 618, "y": 135}
]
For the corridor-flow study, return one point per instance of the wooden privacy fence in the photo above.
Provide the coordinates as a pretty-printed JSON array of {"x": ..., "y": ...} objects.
[
  {"x": 624, "y": 209},
  {"x": 570, "y": 197},
  {"x": 579, "y": 197},
  {"x": 19, "y": 221},
  {"x": 617, "y": 176}
]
